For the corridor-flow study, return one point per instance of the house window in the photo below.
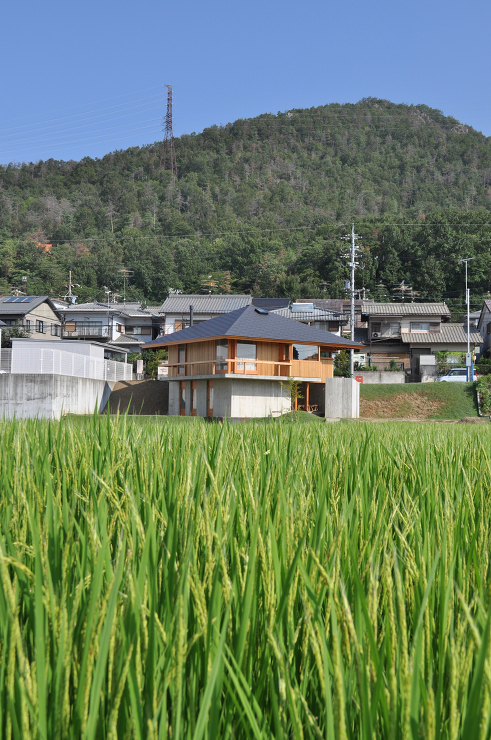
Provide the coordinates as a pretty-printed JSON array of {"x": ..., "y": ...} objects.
[
  {"x": 120, "y": 328},
  {"x": 40, "y": 327},
  {"x": 376, "y": 327},
  {"x": 181, "y": 357},
  {"x": 305, "y": 352},
  {"x": 333, "y": 325},
  {"x": 325, "y": 354},
  {"x": 488, "y": 328},
  {"x": 435, "y": 327},
  {"x": 210, "y": 398},
  {"x": 420, "y": 326},
  {"x": 55, "y": 330},
  {"x": 182, "y": 399},
  {"x": 27, "y": 325},
  {"x": 146, "y": 329},
  {"x": 395, "y": 328},
  {"x": 246, "y": 351},
  {"x": 221, "y": 353}
]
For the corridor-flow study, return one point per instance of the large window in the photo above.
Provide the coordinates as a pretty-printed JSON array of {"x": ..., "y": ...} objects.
[
  {"x": 305, "y": 352},
  {"x": 420, "y": 326},
  {"x": 395, "y": 328},
  {"x": 221, "y": 353},
  {"x": 55, "y": 330},
  {"x": 246, "y": 351},
  {"x": 41, "y": 327}
]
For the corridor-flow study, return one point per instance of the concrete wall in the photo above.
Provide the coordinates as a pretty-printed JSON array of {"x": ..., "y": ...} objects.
[
  {"x": 378, "y": 376},
  {"x": 257, "y": 399},
  {"x": 50, "y": 396},
  {"x": 174, "y": 398},
  {"x": 342, "y": 398}
]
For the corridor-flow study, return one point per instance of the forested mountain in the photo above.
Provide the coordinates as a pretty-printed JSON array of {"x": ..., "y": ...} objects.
[{"x": 261, "y": 205}]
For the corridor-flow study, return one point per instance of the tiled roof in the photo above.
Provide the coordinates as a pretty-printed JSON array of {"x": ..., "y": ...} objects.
[
  {"x": 125, "y": 339},
  {"x": 318, "y": 314},
  {"x": 450, "y": 334},
  {"x": 405, "y": 309},
  {"x": 271, "y": 304},
  {"x": 204, "y": 303},
  {"x": 248, "y": 323}
]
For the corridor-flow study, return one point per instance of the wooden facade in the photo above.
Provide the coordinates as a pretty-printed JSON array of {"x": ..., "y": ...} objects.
[{"x": 273, "y": 359}]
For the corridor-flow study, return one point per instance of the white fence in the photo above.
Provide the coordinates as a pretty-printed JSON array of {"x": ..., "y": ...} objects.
[{"x": 39, "y": 361}]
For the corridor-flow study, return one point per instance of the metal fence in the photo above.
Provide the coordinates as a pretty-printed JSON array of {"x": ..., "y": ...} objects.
[{"x": 39, "y": 361}]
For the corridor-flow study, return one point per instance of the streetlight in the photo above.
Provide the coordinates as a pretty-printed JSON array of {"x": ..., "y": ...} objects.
[{"x": 468, "y": 361}]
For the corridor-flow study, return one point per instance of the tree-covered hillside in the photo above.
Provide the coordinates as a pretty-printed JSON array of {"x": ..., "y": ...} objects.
[{"x": 261, "y": 205}]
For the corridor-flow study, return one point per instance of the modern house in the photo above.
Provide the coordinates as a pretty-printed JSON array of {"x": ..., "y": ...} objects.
[
  {"x": 407, "y": 331},
  {"x": 232, "y": 366},
  {"x": 484, "y": 328},
  {"x": 125, "y": 325},
  {"x": 175, "y": 312},
  {"x": 35, "y": 315}
]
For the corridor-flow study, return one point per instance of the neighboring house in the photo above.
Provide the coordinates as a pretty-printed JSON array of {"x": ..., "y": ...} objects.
[
  {"x": 342, "y": 308},
  {"x": 271, "y": 304},
  {"x": 35, "y": 315},
  {"x": 175, "y": 310},
  {"x": 407, "y": 331},
  {"x": 318, "y": 318},
  {"x": 232, "y": 366},
  {"x": 484, "y": 328},
  {"x": 124, "y": 325}
]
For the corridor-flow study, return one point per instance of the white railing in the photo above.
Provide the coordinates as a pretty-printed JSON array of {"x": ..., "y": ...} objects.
[{"x": 39, "y": 361}]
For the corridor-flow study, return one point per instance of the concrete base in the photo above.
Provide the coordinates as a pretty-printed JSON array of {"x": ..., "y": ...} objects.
[
  {"x": 342, "y": 398},
  {"x": 379, "y": 376},
  {"x": 234, "y": 398},
  {"x": 50, "y": 396}
]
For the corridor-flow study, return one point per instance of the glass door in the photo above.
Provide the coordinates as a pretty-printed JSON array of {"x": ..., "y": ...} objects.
[{"x": 246, "y": 357}]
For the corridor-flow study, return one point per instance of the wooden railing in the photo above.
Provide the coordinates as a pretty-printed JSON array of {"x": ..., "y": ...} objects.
[{"x": 294, "y": 368}]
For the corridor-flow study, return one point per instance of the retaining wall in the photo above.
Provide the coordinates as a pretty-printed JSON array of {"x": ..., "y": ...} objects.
[
  {"x": 50, "y": 396},
  {"x": 379, "y": 376}
]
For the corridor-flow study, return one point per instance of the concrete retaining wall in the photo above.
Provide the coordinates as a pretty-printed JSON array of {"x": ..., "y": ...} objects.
[
  {"x": 379, "y": 376},
  {"x": 342, "y": 398},
  {"x": 50, "y": 396}
]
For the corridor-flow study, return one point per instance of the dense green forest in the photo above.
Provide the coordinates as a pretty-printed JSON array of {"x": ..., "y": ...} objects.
[{"x": 261, "y": 204}]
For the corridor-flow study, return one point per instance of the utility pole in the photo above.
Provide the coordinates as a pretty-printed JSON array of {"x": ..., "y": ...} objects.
[
  {"x": 352, "y": 265},
  {"x": 468, "y": 360},
  {"x": 71, "y": 298},
  {"x": 169, "y": 151},
  {"x": 126, "y": 274}
]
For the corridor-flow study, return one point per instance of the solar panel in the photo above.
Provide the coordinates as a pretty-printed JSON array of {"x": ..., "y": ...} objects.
[
  {"x": 20, "y": 299},
  {"x": 10, "y": 300}
]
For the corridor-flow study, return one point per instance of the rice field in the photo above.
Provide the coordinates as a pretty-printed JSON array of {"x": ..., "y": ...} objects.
[{"x": 176, "y": 580}]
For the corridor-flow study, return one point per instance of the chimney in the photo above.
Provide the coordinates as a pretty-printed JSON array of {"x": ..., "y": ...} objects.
[{"x": 191, "y": 315}]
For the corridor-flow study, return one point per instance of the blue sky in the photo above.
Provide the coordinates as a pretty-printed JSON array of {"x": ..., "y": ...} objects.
[{"x": 85, "y": 78}]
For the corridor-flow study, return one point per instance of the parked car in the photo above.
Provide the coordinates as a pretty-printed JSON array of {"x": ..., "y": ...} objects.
[{"x": 458, "y": 374}]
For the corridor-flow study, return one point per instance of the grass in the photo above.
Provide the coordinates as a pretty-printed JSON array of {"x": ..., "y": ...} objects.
[
  {"x": 189, "y": 580},
  {"x": 420, "y": 400}
]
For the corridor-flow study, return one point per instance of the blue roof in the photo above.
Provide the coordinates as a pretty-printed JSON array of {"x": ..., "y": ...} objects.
[{"x": 248, "y": 323}]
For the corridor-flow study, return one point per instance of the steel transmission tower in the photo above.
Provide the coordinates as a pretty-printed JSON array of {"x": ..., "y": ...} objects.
[{"x": 169, "y": 152}]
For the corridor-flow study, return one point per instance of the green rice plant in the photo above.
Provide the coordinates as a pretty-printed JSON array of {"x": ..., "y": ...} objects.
[{"x": 170, "y": 580}]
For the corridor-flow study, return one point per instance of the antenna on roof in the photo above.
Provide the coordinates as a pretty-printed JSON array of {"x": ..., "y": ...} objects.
[{"x": 69, "y": 295}]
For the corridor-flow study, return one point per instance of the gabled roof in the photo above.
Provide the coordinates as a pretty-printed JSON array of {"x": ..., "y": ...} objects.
[
  {"x": 450, "y": 334},
  {"x": 9, "y": 307},
  {"x": 271, "y": 304},
  {"x": 204, "y": 303},
  {"x": 250, "y": 323},
  {"x": 405, "y": 309}
]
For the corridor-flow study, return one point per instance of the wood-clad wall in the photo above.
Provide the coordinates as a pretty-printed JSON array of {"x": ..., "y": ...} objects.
[{"x": 199, "y": 352}]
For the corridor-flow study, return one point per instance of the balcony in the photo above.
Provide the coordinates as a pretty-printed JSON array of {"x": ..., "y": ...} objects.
[
  {"x": 79, "y": 330},
  {"x": 317, "y": 370}
]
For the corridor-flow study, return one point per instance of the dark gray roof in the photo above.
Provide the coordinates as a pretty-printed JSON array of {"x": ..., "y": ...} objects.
[
  {"x": 450, "y": 334},
  {"x": 204, "y": 303},
  {"x": 21, "y": 309},
  {"x": 248, "y": 323},
  {"x": 271, "y": 304}
]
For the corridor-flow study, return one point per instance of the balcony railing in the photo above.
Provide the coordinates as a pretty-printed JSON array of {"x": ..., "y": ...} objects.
[
  {"x": 244, "y": 367},
  {"x": 85, "y": 331}
]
